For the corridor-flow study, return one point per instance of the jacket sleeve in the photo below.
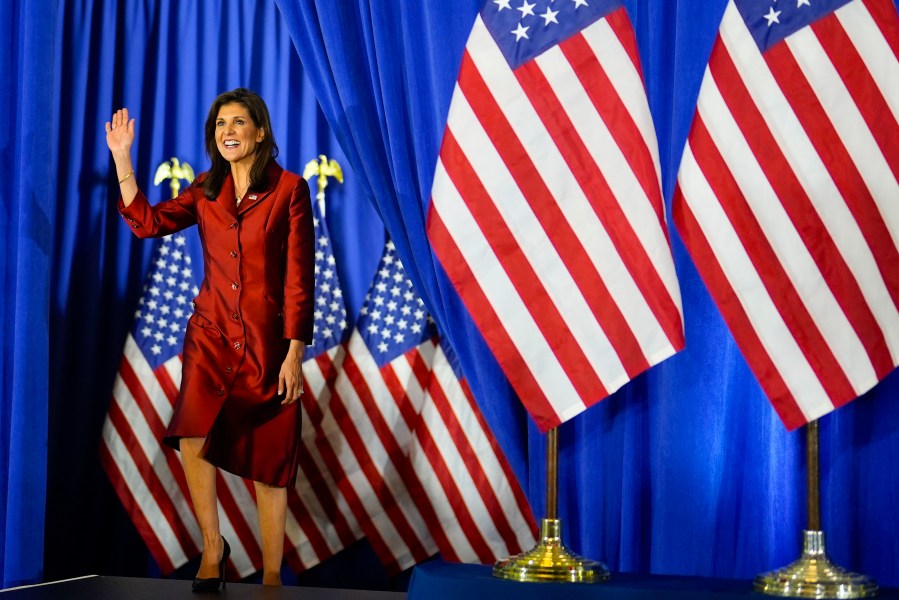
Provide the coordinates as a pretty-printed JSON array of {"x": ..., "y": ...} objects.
[
  {"x": 163, "y": 218},
  {"x": 299, "y": 278}
]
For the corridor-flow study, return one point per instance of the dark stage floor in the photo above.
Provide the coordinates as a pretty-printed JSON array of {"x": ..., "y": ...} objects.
[{"x": 125, "y": 588}]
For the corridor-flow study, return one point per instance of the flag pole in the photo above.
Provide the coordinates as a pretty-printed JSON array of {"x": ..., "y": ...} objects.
[
  {"x": 813, "y": 575},
  {"x": 549, "y": 560}
]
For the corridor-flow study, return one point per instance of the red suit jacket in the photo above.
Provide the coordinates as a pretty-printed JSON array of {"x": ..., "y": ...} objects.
[{"x": 256, "y": 296}]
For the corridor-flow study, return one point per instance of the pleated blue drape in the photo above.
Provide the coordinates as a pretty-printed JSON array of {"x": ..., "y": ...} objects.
[
  {"x": 687, "y": 469},
  {"x": 27, "y": 177}
]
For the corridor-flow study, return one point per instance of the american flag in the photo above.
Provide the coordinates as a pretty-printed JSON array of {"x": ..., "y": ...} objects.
[
  {"x": 547, "y": 212},
  {"x": 320, "y": 521},
  {"x": 148, "y": 476},
  {"x": 420, "y": 465},
  {"x": 788, "y": 191}
]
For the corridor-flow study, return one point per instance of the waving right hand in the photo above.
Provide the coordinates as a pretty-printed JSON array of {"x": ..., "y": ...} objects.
[{"x": 120, "y": 132}]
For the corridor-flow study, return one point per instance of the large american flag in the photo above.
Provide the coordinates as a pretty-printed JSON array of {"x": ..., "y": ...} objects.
[
  {"x": 788, "y": 195},
  {"x": 419, "y": 466},
  {"x": 546, "y": 210},
  {"x": 148, "y": 476}
]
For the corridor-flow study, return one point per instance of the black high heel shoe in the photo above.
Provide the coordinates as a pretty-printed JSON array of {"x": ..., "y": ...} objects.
[{"x": 211, "y": 584}]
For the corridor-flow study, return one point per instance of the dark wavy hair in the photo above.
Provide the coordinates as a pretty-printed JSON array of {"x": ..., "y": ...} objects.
[{"x": 266, "y": 150}]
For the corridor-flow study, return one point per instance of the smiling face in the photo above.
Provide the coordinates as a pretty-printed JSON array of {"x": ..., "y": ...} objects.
[{"x": 236, "y": 136}]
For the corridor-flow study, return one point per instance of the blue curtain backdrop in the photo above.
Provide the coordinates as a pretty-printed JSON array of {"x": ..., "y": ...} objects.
[
  {"x": 687, "y": 469},
  {"x": 28, "y": 173}
]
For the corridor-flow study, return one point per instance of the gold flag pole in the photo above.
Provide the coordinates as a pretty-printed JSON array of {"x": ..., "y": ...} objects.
[
  {"x": 813, "y": 575},
  {"x": 549, "y": 560},
  {"x": 324, "y": 168},
  {"x": 175, "y": 171}
]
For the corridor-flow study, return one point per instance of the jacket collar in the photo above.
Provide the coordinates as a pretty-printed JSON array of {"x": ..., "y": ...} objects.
[{"x": 254, "y": 197}]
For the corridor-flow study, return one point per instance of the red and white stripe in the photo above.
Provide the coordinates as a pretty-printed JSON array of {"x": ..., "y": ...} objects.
[
  {"x": 149, "y": 479},
  {"x": 787, "y": 201},
  {"x": 427, "y": 475},
  {"x": 482, "y": 513},
  {"x": 547, "y": 216}
]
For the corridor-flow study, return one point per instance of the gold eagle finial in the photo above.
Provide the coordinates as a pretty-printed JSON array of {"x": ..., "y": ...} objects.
[{"x": 176, "y": 171}]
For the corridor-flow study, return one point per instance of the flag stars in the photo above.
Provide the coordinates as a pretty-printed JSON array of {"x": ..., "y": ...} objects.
[
  {"x": 549, "y": 17},
  {"x": 501, "y": 4},
  {"x": 773, "y": 16},
  {"x": 521, "y": 32},
  {"x": 580, "y": 3},
  {"x": 800, "y": 3},
  {"x": 526, "y": 9}
]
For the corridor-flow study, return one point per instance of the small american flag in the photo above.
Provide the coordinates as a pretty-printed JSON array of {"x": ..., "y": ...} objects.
[
  {"x": 547, "y": 211},
  {"x": 788, "y": 190},
  {"x": 419, "y": 459}
]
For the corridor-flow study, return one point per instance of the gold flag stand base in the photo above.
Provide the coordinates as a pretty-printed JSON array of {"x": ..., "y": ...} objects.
[
  {"x": 814, "y": 576},
  {"x": 549, "y": 560}
]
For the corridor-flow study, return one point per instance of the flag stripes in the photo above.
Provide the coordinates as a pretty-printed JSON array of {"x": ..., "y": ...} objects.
[
  {"x": 560, "y": 230},
  {"x": 453, "y": 436},
  {"x": 786, "y": 199}
]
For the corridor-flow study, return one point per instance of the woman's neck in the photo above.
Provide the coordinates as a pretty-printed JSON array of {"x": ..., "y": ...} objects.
[{"x": 240, "y": 173}]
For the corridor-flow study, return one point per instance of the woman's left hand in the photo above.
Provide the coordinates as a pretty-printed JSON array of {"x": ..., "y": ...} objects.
[{"x": 290, "y": 379}]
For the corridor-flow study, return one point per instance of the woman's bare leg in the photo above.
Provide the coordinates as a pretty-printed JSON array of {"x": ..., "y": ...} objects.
[
  {"x": 200, "y": 476},
  {"x": 272, "y": 504}
]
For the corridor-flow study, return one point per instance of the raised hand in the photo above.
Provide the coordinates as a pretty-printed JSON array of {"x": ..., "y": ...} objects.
[{"x": 120, "y": 132}]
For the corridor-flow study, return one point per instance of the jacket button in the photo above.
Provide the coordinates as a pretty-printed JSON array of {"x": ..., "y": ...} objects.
[
  {"x": 228, "y": 369},
  {"x": 235, "y": 316},
  {"x": 221, "y": 392},
  {"x": 237, "y": 345},
  {"x": 232, "y": 225},
  {"x": 234, "y": 286},
  {"x": 135, "y": 226},
  {"x": 233, "y": 254}
]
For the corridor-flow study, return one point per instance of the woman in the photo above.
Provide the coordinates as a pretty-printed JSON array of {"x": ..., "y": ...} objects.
[{"x": 237, "y": 407}]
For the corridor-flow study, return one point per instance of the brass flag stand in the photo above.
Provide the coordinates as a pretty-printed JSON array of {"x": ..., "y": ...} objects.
[
  {"x": 549, "y": 560},
  {"x": 813, "y": 575}
]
